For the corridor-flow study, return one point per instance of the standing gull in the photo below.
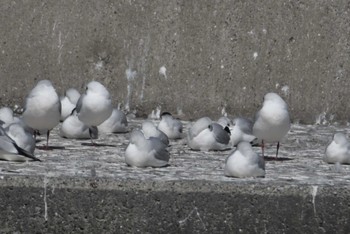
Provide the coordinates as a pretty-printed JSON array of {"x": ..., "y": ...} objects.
[
  {"x": 244, "y": 162},
  {"x": 338, "y": 151},
  {"x": 94, "y": 106},
  {"x": 42, "y": 109},
  {"x": 142, "y": 152},
  {"x": 272, "y": 121}
]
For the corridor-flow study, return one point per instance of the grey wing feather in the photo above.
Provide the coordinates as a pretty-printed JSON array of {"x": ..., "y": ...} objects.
[
  {"x": 60, "y": 106},
  {"x": 79, "y": 103},
  {"x": 161, "y": 153},
  {"x": 178, "y": 126},
  {"x": 246, "y": 125},
  {"x": 220, "y": 134}
]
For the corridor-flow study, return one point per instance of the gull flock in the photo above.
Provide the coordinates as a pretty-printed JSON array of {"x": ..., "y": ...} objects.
[{"x": 83, "y": 116}]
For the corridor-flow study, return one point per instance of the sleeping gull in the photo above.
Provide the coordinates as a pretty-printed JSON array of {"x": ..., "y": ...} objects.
[
  {"x": 10, "y": 151},
  {"x": 116, "y": 123},
  {"x": 240, "y": 128},
  {"x": 73, "y": 128},
  {"x": 142, "y": 152},
  {"x": 244, "y": 162},
  {"x": 22, "y": 136},
  {"x": 171, "y": 126},
  {"x": 206, "y": 135},
  {"x": 150, "y": 130},
  {"x": 338, "y": 151}
]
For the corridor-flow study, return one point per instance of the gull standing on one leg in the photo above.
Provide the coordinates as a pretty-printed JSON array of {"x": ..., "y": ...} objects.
[
  {"x": 42, "y": 109},
  {"x": 94, "y": 106},
  {"x": 272, "y": 121}
]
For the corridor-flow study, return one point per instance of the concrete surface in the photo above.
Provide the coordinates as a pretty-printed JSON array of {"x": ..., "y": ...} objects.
[
  {"x": 79, "y": 188},
  {"x": 219, "y": 56}
]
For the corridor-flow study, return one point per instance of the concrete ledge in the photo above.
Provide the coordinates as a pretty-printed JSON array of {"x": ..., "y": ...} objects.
[
  {"x": 56, "y": 205},
  {"x": 79, "y": 188}
]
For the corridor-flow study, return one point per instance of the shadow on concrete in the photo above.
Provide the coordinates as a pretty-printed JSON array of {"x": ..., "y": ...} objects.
[
  {"x": 273, "y": 158},
  {"x": 98, "y": 145},
  {"x": 44, "y": 147}
]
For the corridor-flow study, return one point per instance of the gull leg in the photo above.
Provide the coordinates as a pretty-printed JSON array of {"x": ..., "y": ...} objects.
[
  {"x": 47, "y": 139},
  {"x": 278, "y": 147},
  {"x": 262, "y": 147},
  {"x": 92, "y": 141}
]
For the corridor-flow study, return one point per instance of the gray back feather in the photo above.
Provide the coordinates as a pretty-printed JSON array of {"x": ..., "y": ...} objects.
[
  {"x": 220, "y": 134},
  {"x": 161, "y": 152},
  {"x": 246, "y": 125},
  {"x": 79, "y": 103}
]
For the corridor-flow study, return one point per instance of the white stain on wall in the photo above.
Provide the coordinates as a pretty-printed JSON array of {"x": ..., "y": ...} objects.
[
  {"x": 285, "y": 90},
  {"x": 162, "y": 71},
  {"x": 130, "y": 76}
]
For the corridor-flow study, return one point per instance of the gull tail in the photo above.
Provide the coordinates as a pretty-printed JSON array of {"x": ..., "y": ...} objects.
[{"x": 25, "y": 153}]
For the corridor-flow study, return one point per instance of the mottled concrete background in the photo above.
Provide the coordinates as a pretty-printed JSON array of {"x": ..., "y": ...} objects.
[
  {"x": 84, "y": 189},
  {"x": 192, "y": 58}
]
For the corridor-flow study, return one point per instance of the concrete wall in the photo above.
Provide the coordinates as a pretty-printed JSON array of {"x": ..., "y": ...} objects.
[
  {"x": 77, "y": 205},
  {"x": 217, "y": 54}
]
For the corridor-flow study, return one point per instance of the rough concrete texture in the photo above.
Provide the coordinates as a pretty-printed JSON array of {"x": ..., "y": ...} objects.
[
  {"x": 218, "y": 55},
  {"x": 80, "y": 188}
]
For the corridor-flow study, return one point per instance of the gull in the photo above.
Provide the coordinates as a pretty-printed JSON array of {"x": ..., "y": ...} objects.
[
  {"x": 22, "y": 136},
  {"x": 272, "y": 121},
  {"x": 6, "y": 115},
  {"x": 116, "y": 123},
  {"x": 42, "y": 109},
  {"x": 244, "y": 162},
  {"x": 171, "y": 126},
  {"x": 338, "y": 151},
  {"x": 68, "y": 102},
  {"x": 73, "y": 128},
  {"x": 94, "y": 106},
  {"x": 206, "y": 135},
  {"x": 10, "y": 151},
  {"x": 240, "y": 128},
  {"x": 150, "y": 130},
  {"x": 142, "y": 152}
]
